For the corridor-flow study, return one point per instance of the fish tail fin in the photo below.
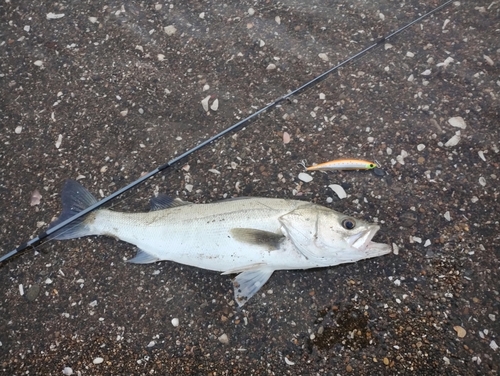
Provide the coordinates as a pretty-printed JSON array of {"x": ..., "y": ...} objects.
[{"x": 75, "y": 198}]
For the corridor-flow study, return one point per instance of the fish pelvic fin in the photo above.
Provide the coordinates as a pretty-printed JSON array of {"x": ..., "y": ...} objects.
[
  {"x": 75, "y": 198},
  {"x": 247, "y": 284}
]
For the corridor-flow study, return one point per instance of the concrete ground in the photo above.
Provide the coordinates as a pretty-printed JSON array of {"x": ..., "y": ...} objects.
[{"x": 106, "y": 91}]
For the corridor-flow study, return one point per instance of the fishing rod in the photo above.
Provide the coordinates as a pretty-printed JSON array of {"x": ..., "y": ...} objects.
[{"x": 46, "y": 234}]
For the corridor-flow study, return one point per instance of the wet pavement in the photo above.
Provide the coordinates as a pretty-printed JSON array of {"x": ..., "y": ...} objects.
[{"x": 103, "y": 92}]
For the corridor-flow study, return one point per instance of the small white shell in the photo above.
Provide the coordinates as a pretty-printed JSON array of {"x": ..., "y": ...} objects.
[
  {"x": 286, "y": 137},
  {"x": 175, "y": 322},
  {"x": 289, "y": 362},
  {"x": 98, "y": 360},
  {"x": 447, "y": 216},
  {"x": 204, "y": 103},
  {"x": 453, "y": 141},
  {"x": 306, "y": 178},
  {"x": 339, "y": 191},
  {"x": 215, "y": 105}
]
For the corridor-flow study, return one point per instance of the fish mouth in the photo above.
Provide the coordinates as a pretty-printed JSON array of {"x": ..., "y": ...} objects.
[{"x": 362, "y": 242}]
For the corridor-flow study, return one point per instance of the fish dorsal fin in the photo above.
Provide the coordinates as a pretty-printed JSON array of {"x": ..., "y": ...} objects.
[
  {"x": 267, "y": 239},
  {"x": 161, "y": 202}
]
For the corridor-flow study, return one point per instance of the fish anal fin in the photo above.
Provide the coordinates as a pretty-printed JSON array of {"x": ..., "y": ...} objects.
[
  {"x": 161, "y": 202},
  {"x": 247, "y": 284},
  {"x": 270, "y": 240},
  {"x": 143, "y": 257}
]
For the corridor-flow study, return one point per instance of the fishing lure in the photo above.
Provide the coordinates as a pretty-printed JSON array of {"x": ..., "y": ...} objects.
[
  {"x": 343, "y": 164},
  {"x": 47, "y": 234}
]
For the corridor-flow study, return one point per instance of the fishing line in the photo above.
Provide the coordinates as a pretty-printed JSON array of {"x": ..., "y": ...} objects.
[{"x": 46, "y": 234}]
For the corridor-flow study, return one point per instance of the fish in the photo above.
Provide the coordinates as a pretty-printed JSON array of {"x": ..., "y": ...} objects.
[
  {"x": 248, "y": 236},
  {"x": 344, "y": 164}
]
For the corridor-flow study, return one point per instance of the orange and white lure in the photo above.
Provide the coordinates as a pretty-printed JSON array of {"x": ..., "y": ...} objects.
[{"x": 344, "y": 164}]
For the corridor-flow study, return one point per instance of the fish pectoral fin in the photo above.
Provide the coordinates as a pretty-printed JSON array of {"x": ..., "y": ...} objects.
[
  {"x": 162, "y": 201},
  {"x": 142, "y": 257},
  {"x": 269, "y": 240},
  {"x": 247, "y": 284}
]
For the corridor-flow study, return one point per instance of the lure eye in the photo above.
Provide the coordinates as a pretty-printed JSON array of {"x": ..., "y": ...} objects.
[{"x": 348, "y": 223}]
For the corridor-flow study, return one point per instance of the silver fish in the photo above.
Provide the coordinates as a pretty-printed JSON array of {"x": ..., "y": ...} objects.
[{"x": 251, "y": 237}]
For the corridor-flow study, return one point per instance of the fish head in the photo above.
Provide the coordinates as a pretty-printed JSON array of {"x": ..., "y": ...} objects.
[{"x": 326, "y": 237}]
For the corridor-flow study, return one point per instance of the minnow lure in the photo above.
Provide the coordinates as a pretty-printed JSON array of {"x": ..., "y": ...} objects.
[{"x": 344, "y": 164}]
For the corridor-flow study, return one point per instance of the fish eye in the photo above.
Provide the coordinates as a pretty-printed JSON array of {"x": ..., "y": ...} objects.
[{"x": 348, "y": 223}]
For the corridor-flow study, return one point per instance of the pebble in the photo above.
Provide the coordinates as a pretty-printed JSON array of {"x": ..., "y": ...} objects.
[
  {"x": 481, "y": 155},
  {"x": 461, "y": 332},
  {"x": 482, "y": 181},
  {"x": 68, "y": 371},
  {"x": 224, "y": 339},
  {"x": 494, "y": 345},
  {"x": 175, "y": 322},
  {"x": 306, "y": 178},
  {"x": 323, "y": 56},
  {"x": 446, "y": 62},
  {"x": 59, "y": 141},
  {"x": 420, "y": 147},
  {"x": 98, "y": 360},
  {"x": 251, "y": 11},
  {"x": 93, "y": 19},
  {"x": 457, "y": 122},
  {"x": 426, "y": 72},
  {"x": 169, "y": 30},
  {"x": 18, "y": 129},
  {"x": 339, "y": 191},
  {"x": 271, "y": 66}
]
